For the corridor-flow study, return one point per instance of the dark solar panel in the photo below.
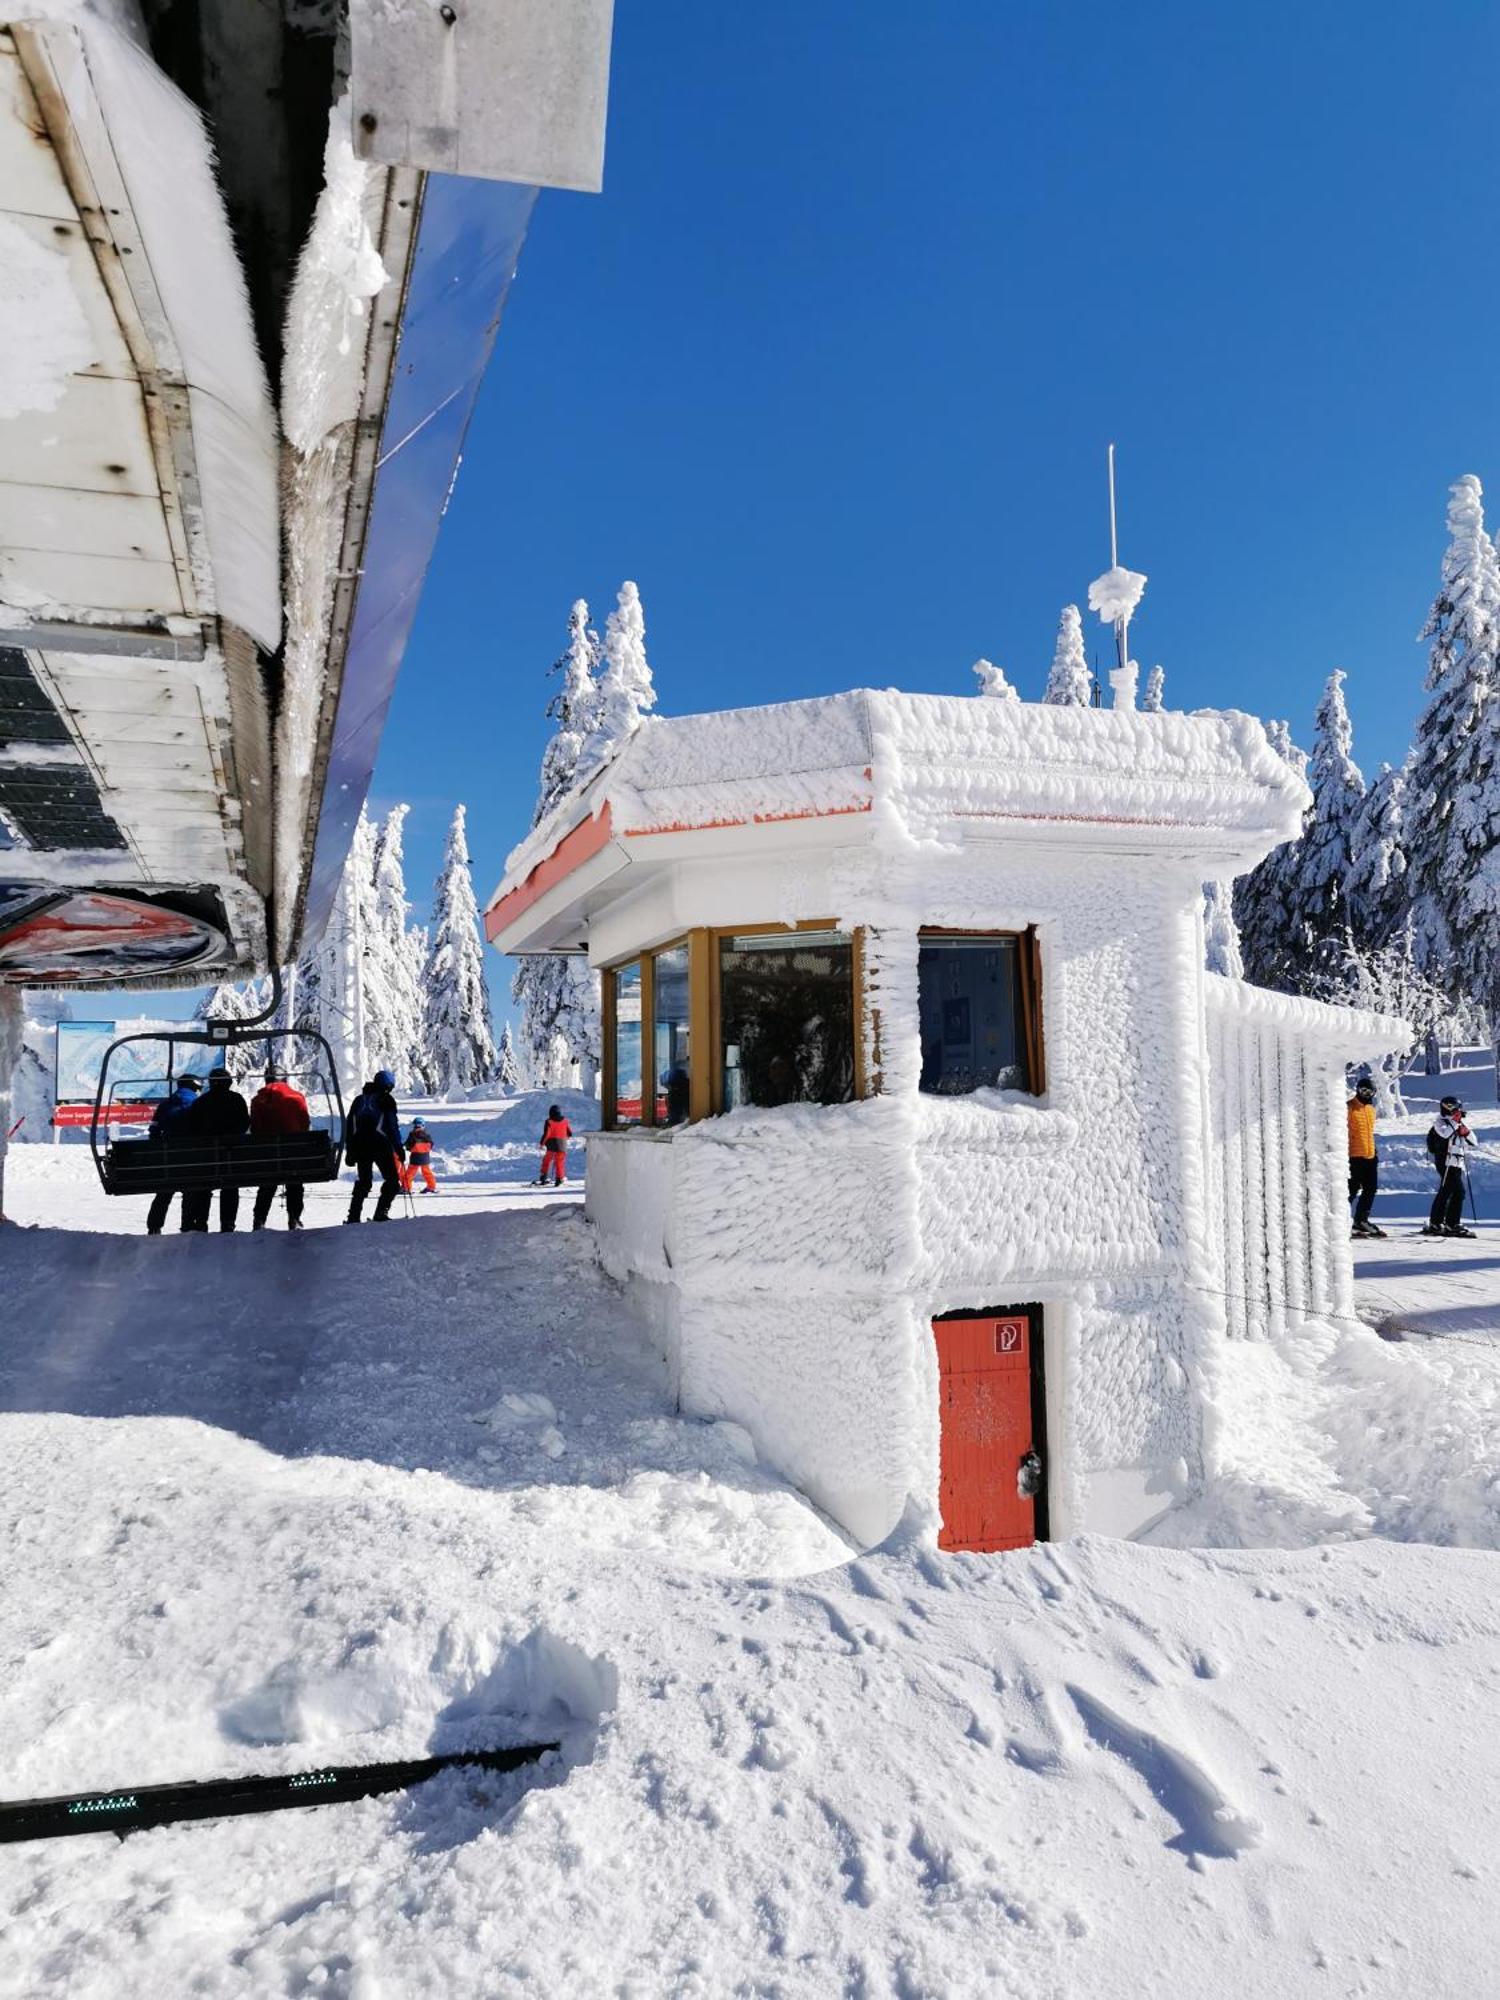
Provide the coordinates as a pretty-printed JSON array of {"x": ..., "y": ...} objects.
[
  {"x": 26, "y": 714},
  {"x": 56, "y": 806}
]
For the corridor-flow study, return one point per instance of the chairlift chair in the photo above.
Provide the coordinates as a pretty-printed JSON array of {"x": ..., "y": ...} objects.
[{"x": 171, "y": 1162}]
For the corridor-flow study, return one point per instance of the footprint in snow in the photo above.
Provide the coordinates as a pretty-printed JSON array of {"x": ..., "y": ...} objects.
[{"x": 1210, "y": 1826}]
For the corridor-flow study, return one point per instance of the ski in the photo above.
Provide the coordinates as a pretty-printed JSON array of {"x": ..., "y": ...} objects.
[{"x": 128, "y": 1810}]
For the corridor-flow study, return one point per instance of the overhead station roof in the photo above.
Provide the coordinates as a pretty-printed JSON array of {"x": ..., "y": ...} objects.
[{"x": 162, "y": 740}]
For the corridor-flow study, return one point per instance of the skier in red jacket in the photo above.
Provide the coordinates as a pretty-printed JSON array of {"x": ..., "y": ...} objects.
[
  {"x": 555, "y": 1136},
  {"x": 277, "y": 1111}
]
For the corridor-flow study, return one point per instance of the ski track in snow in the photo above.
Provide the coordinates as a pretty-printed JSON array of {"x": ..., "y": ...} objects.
[{"x": 284, "y": 1500}]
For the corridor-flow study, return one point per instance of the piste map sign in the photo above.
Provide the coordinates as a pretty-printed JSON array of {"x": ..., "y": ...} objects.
[{"x": 135, "y": 1074}]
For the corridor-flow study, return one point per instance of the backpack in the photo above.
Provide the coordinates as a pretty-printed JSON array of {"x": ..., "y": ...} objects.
[
  {"x": 364, "y": 1119},
  {"x": 1437, "y": 1146}
]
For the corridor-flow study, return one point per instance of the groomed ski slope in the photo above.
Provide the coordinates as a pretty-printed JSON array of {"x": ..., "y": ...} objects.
[{"x": 353, "y": 1495}]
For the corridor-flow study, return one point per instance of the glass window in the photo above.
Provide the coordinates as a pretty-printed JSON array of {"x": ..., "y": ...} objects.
[
  {"x": 670, "y": 1035},
  {"x": 972, "y": 1016},
  {"x": 786, "y": 1013},
  {"x": 629, "y": 1083}
]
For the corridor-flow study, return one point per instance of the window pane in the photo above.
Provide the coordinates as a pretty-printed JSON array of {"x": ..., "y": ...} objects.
[
  {"x": 628, "y": 1084},
  {"x": 969, "y": 1005},
  {"x": 786, "y": 1011},
  {"x": 671, "y": 1029}
]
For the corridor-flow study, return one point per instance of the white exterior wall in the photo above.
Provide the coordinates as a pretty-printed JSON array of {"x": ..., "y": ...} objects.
[{"x": 809, "y": 1249}]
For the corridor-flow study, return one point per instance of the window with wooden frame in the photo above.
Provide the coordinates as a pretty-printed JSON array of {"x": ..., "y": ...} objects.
[
  {"x": 757, "y": 1014},
  {"x": 979, "y": 1012}
]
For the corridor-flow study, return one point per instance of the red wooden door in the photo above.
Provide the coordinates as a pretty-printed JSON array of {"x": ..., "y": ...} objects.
[{"x": 984, "y": 1389}]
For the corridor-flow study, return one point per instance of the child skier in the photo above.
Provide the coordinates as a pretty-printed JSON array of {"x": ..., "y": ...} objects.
[
  {"x": 418, "y": 1157},
  {"x": 1450, "y": 1143},
  {"x": 555, "y": 1136},
  {"x": 1364, "y": 1164}
]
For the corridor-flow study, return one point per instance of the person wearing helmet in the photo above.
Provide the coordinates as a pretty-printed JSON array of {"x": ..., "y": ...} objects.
[
  {"x": 419, "y": 1144},
  {"x": 374, "y": 1140},
  {"x": 220, "y": 1117},
  {"x": 166, "y": 1115},
  {"x": 556, "y": 1133},
  {"x": 278, "y": 1111},
  {"x": 1450, "y": 1143},
  {"x": 1364, "y": 1163}
]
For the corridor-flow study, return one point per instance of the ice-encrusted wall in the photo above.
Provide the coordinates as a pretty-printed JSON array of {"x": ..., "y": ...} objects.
[{"x": 1175, "y": 1182}]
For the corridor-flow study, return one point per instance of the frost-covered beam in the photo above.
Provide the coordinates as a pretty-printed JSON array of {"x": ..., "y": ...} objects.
[{"x": 508, "y": 90}]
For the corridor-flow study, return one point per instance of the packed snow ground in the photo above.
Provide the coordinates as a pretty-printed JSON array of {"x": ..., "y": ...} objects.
[{"x": 344, "y": 1496}]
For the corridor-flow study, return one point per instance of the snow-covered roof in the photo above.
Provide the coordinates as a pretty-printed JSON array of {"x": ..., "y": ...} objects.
[{"x": 927, "y": 767}]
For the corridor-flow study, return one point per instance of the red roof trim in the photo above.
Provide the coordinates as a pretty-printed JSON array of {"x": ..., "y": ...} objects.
[{"x": 580, "y": 845}]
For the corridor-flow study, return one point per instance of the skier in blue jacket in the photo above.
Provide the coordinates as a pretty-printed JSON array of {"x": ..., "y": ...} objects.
[
  {"x": 163, "y": 1119},
  {"x": 374, "y": 1140}
]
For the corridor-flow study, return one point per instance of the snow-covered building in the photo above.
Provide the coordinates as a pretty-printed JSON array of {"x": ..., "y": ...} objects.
[{"x": 931, "y": 1150}]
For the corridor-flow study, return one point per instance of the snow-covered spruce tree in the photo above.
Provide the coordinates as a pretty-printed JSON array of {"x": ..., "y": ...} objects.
[
  {"x": 1375, "y": 887},
  {"x": 625, "y": 687},
  {"x": 1323, "y": 856},
  {"x": 1154, "y": 699},
  {"x": 341, "y": 964},
  {"x": 239, "y": 1001},
  {"x": 992, "y": 681},
  {"x": 507, "y": 1070},
  {"x": 1265, "y": 899},
  {"x": 459, "y": 1038},
  {"x": 574, "y": 707},
  {"x": 1070, "y": 681},
  {"x": 598, "y": 709},
  {"x": 1451, "y": 808},
  {"x": 394, "y": 956},
  {"x": 1221, "y": 940}
]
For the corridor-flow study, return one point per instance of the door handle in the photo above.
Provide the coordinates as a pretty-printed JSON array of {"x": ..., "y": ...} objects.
[{"x": 1029, "y": 1476}]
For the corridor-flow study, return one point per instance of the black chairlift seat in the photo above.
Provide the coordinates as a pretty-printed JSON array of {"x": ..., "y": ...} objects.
[
  {"x": 146, "y": 1166},
  {"x": 181, "y": 1159}
]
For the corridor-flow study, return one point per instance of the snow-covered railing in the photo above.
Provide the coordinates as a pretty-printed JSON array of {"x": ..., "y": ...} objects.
[{"x": 1278, "y": 1153}]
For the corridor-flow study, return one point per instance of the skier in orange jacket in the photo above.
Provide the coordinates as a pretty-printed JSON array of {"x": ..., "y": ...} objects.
[
  {"x": 555, "y": 1136},
  {"x": 418, "y": 1158}
]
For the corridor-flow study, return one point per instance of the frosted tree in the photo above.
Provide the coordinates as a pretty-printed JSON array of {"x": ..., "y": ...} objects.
[
  {"x": 1265, "y": 900},
  {"x": 1069, "y": 681},
  {"x": 992, "y": 681},
  {"x": 459, "y": 1038},
  {"x": 394, "y": 954},
  {"x": 1451, "y": 808},
  {"x": 604, "y": 691},
  {"x": 507, "y": 1069},
  {"x": 339, "y": 962},
  {"x": 232, "y": 1003},
  {"x": 1323, "y": 857},
  {"x": 1375, "y": 887},
  {"x": 1221, "y": 938},
  {"x": 1154, "y": 699},
  {"x": 574, "y": 708},
  {"x": 625, "y": 687}
]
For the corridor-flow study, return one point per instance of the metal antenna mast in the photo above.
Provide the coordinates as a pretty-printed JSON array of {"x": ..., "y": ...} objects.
[{"x": 1121, "y": 651}]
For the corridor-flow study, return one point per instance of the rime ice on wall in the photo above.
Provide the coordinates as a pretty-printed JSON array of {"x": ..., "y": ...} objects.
[{"x": 794, "y": 1258}]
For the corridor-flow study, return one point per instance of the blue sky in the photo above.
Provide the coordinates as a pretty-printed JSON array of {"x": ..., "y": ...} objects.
[{"x": 830, "y": 366}]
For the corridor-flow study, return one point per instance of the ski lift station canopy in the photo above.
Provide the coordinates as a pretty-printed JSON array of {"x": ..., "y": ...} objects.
[
  {"x": 931, "y": 1151},
  {"x": 255, "y": 258}
]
